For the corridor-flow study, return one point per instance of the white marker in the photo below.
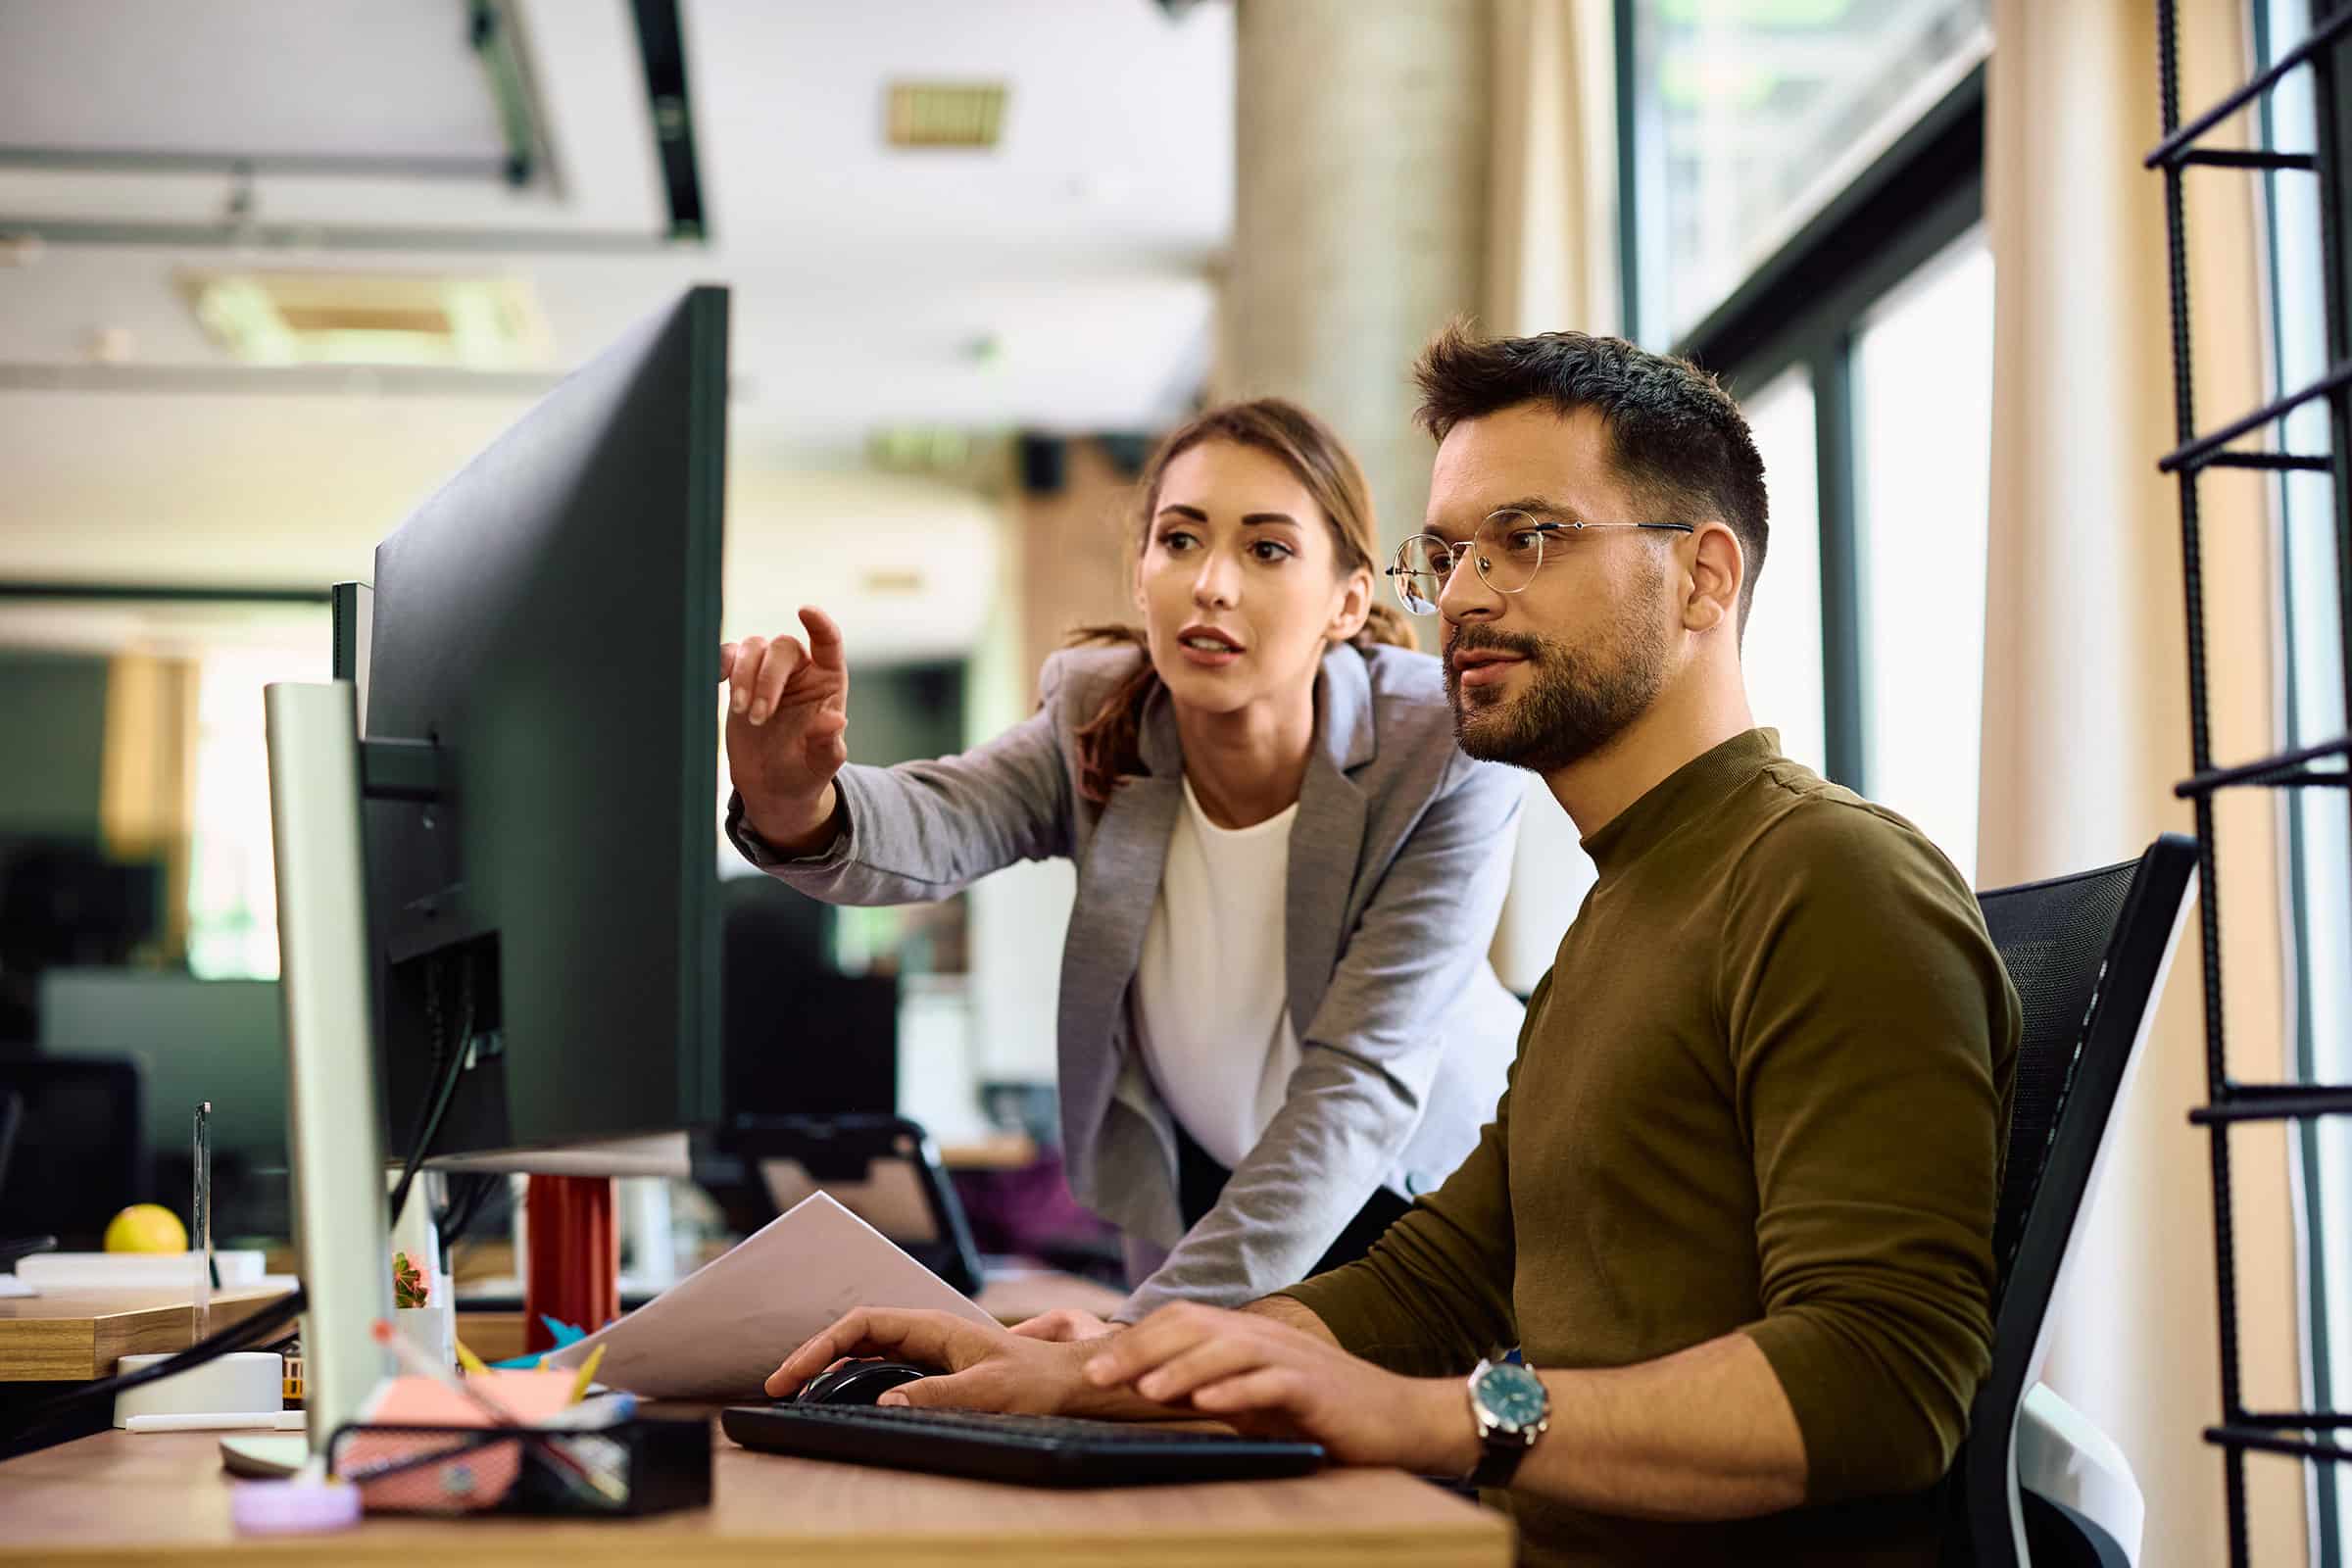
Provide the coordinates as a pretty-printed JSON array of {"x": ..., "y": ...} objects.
[{"x": 222, "y": 1421}]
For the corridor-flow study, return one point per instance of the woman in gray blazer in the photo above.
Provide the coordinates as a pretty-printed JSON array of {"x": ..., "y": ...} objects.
[{"x": 1277, "y": 1023}]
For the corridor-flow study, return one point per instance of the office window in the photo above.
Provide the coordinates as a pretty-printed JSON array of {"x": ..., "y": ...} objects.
[
  {"x": 1781, "y": 650},
  {"x": 1802, "y": 188},
  {"x": 1923, "y": 414},
  {"x": 2319, "y": 835},
  {"x": 1742, "y": 118}
]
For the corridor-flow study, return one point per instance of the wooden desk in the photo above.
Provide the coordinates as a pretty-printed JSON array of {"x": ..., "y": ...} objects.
[
  {"x": 120, "y": 1498},
  {"x": 79, "y": 1335}
]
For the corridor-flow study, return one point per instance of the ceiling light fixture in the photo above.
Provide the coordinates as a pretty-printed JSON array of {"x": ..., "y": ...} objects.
[
  {"x": 945, "y": 114},
  {"x": 289, "y": 317}
]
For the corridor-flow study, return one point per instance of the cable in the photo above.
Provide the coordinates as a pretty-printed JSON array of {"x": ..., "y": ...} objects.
[
  {"x": 264, "y": 1325},
  {"x": 452, "y": 1065}
]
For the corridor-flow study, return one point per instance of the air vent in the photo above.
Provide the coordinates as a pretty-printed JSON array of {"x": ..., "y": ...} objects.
[
  {"x": 945, "y": 114},
  {"x": 487, "y": 323}
]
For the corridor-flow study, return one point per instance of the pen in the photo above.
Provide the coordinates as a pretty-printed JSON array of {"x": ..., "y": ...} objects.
[
  {"x": 589, "y": 1415},
  {"x": 203, "y": 1216}
]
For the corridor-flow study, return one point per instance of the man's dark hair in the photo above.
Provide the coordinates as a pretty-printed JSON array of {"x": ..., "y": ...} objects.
[{"x": 1677, "y": 439}]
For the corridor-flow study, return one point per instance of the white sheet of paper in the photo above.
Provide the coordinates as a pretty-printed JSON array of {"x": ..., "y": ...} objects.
[{"x": 721, "y": 1330}]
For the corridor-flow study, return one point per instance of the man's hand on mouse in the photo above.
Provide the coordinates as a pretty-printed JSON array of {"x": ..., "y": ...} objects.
[
  {"x": 1267, "y": 1378},
  {"x": 980, "y": 1367}
]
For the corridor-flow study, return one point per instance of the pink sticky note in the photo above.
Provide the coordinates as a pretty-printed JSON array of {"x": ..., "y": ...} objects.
[{"x": 465, "y": 1483}]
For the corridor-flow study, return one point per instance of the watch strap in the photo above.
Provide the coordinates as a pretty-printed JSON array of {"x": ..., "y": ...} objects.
[{"x": 1500, "y": 1460}]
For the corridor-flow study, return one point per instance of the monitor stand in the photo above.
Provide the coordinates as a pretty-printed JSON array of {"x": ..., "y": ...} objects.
[
  {"x": 325, "y": 987},
  {"x": 669, "y": 1155}
]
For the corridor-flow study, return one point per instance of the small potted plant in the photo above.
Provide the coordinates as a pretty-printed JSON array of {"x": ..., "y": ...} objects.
[
  {"x": 410, "y": 1287},
  {"x": 431, "y": 1325}
]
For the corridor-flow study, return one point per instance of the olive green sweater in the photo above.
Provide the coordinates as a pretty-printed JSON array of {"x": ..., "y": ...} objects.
[{"x": 1765, "y": 1090}]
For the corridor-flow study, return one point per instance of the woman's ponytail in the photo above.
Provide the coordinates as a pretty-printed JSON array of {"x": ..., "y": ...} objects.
[{"x": 1386, "y": 623}]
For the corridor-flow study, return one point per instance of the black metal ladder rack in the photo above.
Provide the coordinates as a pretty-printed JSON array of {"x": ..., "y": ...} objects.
[{"x": 2228, "y": 1104}]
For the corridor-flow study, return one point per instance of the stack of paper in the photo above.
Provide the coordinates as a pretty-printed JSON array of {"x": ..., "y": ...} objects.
[{"x": 720, "y": 1331}]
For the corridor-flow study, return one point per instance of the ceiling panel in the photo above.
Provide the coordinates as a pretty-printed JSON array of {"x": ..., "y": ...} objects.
[
  {"x": 254, "y": 77},
  {"x": 1063, "y": 281}
]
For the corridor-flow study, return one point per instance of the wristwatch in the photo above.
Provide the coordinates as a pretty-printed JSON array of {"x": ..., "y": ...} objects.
[{"x": 1512, "y": 1409}]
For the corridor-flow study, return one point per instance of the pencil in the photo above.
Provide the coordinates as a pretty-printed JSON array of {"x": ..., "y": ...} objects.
[{"x": 579, "y": 1385}]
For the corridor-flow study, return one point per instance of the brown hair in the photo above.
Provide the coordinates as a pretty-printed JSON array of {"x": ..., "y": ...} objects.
[
  {"x": 1677, "y": 438},
  {"x": 1110, "y": 743}
]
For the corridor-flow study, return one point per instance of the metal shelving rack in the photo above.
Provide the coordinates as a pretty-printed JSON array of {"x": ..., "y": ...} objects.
[{"x": 2228, "y": 1104}]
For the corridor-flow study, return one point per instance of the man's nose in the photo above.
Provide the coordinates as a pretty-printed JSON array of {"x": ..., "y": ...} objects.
[{"x": 1466, "y": 596}]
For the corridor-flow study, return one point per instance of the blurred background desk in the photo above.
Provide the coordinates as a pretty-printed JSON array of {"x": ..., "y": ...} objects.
[
  {"x": 162, "y": 1497},
  {"x": 74, "y": 1336}
]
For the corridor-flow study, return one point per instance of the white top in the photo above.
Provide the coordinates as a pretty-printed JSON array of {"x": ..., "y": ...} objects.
[{"x": 1211, "y": 1004}]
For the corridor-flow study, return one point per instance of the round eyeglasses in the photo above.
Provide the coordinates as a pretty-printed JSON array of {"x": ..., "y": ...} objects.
[{"x": 1507, "y": 550}]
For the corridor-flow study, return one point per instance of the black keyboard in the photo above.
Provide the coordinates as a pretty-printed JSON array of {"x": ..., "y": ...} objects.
[{"x": 1039, "y": 1451}]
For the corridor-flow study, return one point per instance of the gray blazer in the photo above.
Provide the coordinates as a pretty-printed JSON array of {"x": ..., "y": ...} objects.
[{"x": 1399, "y": 855}]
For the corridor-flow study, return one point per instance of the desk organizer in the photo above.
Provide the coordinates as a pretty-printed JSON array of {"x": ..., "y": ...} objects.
[{"x": 641, "y": 1466}]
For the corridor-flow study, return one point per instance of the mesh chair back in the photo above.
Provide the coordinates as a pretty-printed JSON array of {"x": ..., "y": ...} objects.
[
  {"x": 2053, "y": 937},
  {"x": 2087, "y": 955}
]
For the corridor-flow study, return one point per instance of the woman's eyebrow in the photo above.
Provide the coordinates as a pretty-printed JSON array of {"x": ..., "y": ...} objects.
[
  {"x": 1253, "y": 518},
  {"x": 1193, "y": 513}
]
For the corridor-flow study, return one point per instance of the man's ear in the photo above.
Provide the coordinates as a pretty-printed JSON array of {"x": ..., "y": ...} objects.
[{"x": 1718, "y": 568}]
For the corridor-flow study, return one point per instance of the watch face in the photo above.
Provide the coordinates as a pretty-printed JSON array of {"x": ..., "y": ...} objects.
[{"x": 1513, "y": 1396}]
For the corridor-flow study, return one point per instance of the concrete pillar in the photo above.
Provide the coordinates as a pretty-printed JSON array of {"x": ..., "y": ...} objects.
[{"x": 1361, "y": 139}]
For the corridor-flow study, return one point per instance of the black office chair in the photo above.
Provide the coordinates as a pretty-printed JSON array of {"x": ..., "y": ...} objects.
[
  {"x": 884, "y": 1169},
  {"x": 12, "y": 1116},
  {"x": 2087, "y": 955}
]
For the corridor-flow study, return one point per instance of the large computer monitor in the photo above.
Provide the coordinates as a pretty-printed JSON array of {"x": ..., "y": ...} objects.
[{"x": 549, "y": 622}]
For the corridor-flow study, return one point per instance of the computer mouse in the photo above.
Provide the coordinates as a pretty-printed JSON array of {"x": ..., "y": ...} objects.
[{"x": 859, "y": 1382}]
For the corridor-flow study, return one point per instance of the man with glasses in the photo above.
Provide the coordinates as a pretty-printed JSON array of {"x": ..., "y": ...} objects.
[{"x": 1733, "y": 1219}]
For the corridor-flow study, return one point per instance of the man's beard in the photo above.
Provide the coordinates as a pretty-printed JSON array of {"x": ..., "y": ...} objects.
[{"x": 1573, "y": 703}]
